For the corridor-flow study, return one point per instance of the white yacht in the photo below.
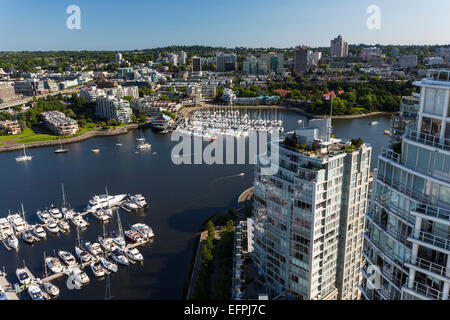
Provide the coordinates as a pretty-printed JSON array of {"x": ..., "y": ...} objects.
[
  {"x": 52, "y": 227},
  {"x": 44, "y": 216},
  {"x": 35, "y": 292},
  {"x": 68, "y": 213},
  {"x": 119, "y": 239},
  {"x": 67, "y": 257},
  {"x": 109, "y": 265},
  {"x": 82, "y": 254},
  {"x": 119, "y": 257},
  {"x": 5, "y": 227},
  {"x": 63, "y": 226},
  {"x": 144, "y": 146},
  {"x": 134, "y": 254},
  {"x": 25, "y": 157},
  {"x": 55, "y": 213},
  {"x": 130, "y": 205},
  {"x": 97, "y": 269},
  {"x": 13, "y": 242},
  {"x": 39, "y": 231},
  {"x": 17, "y": 222},
  {"x": 54, "y": 264},
  {"x": 139, "y": 200},
  {"x": 81, "y": 275},
  {"x": 94, "y": 248},
  {"x": 51, "y": 289},
  {"x": 23, "y": 276},
  {"x": 101, "y": 214},
  {"x": 107, "y": 244},
  {"x": 78, "y": 221},
  {"x": 104, "y": 201},
  {"x": 144, "y": 230}
]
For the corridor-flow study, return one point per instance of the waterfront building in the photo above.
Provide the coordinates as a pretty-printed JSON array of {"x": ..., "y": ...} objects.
[
  {"x": 228, "y": 96},
  {"x": 225, "y": 62},
  {"x": 10, "y": 127},
  {"x": 113, "y": 108},
  {"x": 7, "y": 92},
  {"x": 408, "y": 223},
  {"x": 409, "y": 106},
  {"x": 309, "y": 216},
  {"x": 339, "y": 48},
  {"x": 409, "y": 61},
  {"x": 59, "y": 123}
]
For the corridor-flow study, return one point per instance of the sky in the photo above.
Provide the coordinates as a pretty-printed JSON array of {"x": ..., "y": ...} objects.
[{"x": 139, "y": 24}]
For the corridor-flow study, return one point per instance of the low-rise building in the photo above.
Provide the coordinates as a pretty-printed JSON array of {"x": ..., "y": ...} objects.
[
  {"x": 6, "y": 92},
  {"x": 59, "y": 123},
  {"x": 113, "y": 108},
  {"x": 11, "y": 127}
]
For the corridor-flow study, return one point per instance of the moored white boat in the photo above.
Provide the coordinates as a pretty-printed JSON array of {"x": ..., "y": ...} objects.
[
  {"x": 67, "y": 257},
  {"x": 109, "y": 265},
  {"x": 134, "y": 254},
  {"x": 35, "y": 292},
  {"x": 51, "y": 289},
  {"x": 104, "y": 201},
  {"x": 23, "y": 276},
  {"x": 39, "y": 231},
  {"x": 54, "y": 264},
  {"x": 94, "y": 248},
  {"x": 97, "y": 269},
  {"x": 118, "y": 256},
  {"x": 13, "y": 242},
  {"x": 83, "y": 254}
]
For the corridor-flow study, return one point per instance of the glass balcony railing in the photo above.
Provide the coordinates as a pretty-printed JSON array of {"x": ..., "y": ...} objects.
[
  {"x": 428, "y": 139},
  {"x": 429, "y": 266},
  {"x": 404, "y": 189},
  {"x": 426, "y": 291},
  {"x": 433, "y": 211},
  {"x": 432, "y": 239}
]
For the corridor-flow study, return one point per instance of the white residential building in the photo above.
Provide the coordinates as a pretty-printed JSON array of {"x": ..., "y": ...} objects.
[
  {"x": 408, "y": 229},
  {"x": 309, "y": 216},
  {"x": 113, "y": 108}
]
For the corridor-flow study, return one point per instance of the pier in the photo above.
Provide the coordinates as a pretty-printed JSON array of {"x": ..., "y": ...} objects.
[{"x": 9, "y": 289}]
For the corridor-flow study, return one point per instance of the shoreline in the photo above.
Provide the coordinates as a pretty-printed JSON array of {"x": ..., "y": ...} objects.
[
  {"x": 189, "y": 110},
  {"x": 81, "y": 137}
]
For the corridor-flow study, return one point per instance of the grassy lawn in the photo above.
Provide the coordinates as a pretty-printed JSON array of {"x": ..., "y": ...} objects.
[
  {"x": 37, "y": 138},
  {"x": 25, "y": 133}
]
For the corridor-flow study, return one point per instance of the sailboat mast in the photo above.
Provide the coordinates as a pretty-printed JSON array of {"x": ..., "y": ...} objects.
[{"x": 63, "y": 195}]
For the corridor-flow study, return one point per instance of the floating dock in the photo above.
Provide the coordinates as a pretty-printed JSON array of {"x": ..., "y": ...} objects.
[{"x": 9, "y": 289}]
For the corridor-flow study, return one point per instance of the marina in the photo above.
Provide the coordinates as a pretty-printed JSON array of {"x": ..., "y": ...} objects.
[{"x": 176, "y": 208}]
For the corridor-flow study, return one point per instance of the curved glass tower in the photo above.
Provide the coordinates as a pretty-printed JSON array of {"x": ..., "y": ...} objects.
[{"x": 407, "y": 240}]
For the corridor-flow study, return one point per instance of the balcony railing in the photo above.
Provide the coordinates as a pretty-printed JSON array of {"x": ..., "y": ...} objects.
[
  {"x": 391, "y": 154},
  {"x": 399, "y": 236},
  {"x": 397, "y": 211},
  {"x": 429, "y": 266},
  {"x": 428, "y": 139},
  {"x": 433, "y": 240},
  {"x": 433, "y": 211},
  {"x": 427, "y": 291},
  {"x": 406, "y": 190}
]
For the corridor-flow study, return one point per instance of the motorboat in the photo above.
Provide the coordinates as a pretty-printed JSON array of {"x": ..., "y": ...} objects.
[
  {"x": 144, "y": 146},
  {"x": 94, "y": 248},
  {"x": 83, "y": 254},
  {"x": 109, "y": 265},
  {"x": 67, "y": 257},
  {"x": 79, "y": 222},
  {"x": 5, "y": 227},
  {"x": 3, "y": 296},
  {"x": 139, "y": 200},
  {"x": 134, "y": 254},
  {"x": 35, "y": 292},
  {"x": 133, "y": 236},
  {"x": 81, "y": 276},
  {"x": 54, "y": 264},
  {"x": 39, "y": 231},
  {"x": 55, "y": 212},
  {"x": 95, "y": 150},
  {"x": 23, "y": 277},
  {"x": 107, "y": 243},
  {"x": 118, "y": 239},
  {"x": 101, "y": 215},
  {"x": 117, "y": 256},
  {"x": 25, "y": 156},
  {"x": 51, "y": 289},
  {"x": 131, "y": 206},
  {"x": 97, "y": 269},
  {"x": 17, "y": 223},
  {"x": 63, "y": 226},
  {"x": 144, "y": 230},
  {"x": 44, "y": 216},
  {"x": 28, "y": 237},
  {"x": 13, "y": 242},
  {"x": 373, "y": 123},
  {"x": 52, "y": 227},
  {"x": 68, "y": 213},
  {"x": 104, "y": 201}
]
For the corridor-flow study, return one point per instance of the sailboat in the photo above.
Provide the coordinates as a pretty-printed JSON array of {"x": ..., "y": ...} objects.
[
  {"x": 118, "y": 142},
  {"x": 50, "y": 288},
  {"x": 141, "y": 138},
  {"x": 25, "y": 157},
  {"x": 60, "y": 150}
]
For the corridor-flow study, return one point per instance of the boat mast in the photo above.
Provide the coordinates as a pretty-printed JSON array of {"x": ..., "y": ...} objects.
[
  {"x": 63, "y": 195},
  {"x": 120, "y": 224},
  {"x": 23, "y": 212}
]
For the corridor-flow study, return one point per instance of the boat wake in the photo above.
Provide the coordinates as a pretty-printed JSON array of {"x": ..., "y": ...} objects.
[{"x": 229, "y": 177}]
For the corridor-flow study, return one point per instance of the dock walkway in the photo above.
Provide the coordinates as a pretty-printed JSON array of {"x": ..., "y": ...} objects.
[{"x": 9, "y": 289}]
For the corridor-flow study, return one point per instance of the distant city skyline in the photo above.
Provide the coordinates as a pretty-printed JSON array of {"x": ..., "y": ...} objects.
[{"x": 120, "y": 26}]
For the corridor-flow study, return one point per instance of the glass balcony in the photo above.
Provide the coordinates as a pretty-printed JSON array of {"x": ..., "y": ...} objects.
[
  {"x": 428, "y": 139},
  {"x": 432, "y": 211},
  {"x": 429, "y": 266},
  {"x": 430, "y": 238},
  {"x": 426, "y": 291}
]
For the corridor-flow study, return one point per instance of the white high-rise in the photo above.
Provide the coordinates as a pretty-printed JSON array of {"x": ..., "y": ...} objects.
[
  {"x": 407, "y": 248},
  {"x": 309, "y": 217}
]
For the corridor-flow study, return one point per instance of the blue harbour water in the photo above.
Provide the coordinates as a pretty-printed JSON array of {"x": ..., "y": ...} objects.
[{"x": 181, "y": 198}]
